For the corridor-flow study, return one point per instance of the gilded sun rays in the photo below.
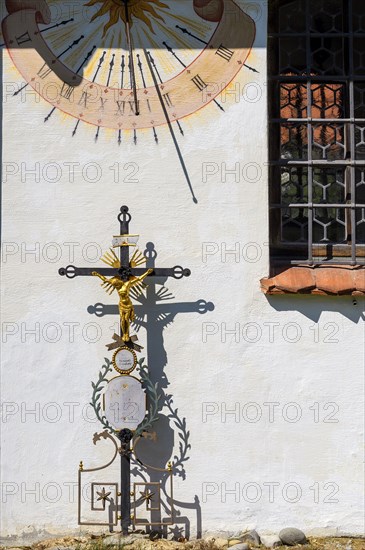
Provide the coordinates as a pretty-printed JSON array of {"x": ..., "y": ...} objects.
[{"x": 138, "y": 9}]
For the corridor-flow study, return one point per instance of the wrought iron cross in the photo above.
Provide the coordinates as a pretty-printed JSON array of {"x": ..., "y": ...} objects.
[
  {"x": 124, "y": 272},
  {"x": 124, "y": 218}
]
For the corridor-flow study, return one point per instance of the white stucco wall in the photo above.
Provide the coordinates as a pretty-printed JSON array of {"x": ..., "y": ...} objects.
[{"x": 290, "y": 367}]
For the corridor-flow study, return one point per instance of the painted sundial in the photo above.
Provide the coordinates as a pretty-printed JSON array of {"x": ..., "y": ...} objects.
[{"x": 128, "y": 65}]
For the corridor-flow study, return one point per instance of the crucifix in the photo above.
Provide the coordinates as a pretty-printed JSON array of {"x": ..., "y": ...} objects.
[{"x": 124, "y": 275}]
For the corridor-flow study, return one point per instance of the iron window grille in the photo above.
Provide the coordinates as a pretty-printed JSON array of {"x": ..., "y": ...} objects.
[{"x": 316, "y": 60}]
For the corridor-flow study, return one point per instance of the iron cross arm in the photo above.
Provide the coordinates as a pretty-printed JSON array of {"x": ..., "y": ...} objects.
[
  {"x": 72, "y": 271},
  {"x": 125, "y": 270}
]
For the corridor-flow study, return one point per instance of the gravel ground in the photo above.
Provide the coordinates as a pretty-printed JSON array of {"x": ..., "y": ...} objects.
[{"x": 139, "y": 542}]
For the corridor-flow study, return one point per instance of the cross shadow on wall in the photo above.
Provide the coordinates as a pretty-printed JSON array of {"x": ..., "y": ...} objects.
[{"x": 155, "y": 311}]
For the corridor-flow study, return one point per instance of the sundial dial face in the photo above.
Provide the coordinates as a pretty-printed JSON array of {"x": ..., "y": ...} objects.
[{"x": 184, "y": 53}]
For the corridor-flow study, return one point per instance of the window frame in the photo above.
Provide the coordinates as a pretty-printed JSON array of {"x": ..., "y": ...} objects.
[{"x": 309, "y": 252}]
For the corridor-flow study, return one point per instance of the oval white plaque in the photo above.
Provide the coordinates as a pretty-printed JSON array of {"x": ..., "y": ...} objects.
[
  {"x": 124, "y": 402},
  {"x": 124, "y": 360}
]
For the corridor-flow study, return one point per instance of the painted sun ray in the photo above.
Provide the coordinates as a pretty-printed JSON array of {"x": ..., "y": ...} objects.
[
  {"x": 113, "y": 39},
  {"x": 178, "y": 38},
  {"x": 199, "y": 27},
  {"x": 167, "y": 69},
  {"x": 137, "y": 11},
  {"x": 73, "y": 59}
]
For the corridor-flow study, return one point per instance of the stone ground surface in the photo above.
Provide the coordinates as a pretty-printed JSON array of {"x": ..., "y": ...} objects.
[{"x": 140, "y": 542}]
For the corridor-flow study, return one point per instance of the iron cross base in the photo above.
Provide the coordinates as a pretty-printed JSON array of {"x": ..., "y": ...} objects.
[
  {"x": 125, "y": 272},
  {"x": 125, "y": 437}
]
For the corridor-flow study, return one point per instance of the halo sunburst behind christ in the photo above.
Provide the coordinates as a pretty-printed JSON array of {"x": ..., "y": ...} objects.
[{"x": 139, "y": 9}]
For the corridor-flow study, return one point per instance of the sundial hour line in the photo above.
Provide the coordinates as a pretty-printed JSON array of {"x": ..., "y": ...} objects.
[
  {"x": 220, "y": 50},
  {"x": 130, "y": 47},
  {"x": 174, "y": 54},
  {"x": 140, "y": 66},
  {"x": 100, "y": 64},
  {"x": 46, "y": 70},
  {"x": 111, "y": 65},
  {"x": 49, "y": 28},
  {"x": 68, "y": 88},
  {"x": 153, "y": 63},
  {"x": 185, "y": 31},
  {"x": 104, "y": 100},
  {"x": 21, "y": 27}
]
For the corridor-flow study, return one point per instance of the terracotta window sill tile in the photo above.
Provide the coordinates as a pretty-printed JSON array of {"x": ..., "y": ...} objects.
[{"x": 319, "y": 280}]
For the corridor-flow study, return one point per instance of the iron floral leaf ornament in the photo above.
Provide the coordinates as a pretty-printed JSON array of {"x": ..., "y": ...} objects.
[
  {"x": 153, "y": 400},
  {"x": 96, "y": 395}
]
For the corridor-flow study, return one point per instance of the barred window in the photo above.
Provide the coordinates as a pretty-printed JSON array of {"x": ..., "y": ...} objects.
[{"x": 316, "y": 55}]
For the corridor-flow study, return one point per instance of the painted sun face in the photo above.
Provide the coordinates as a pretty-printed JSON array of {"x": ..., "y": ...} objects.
[{"x": 139, "y": 9}]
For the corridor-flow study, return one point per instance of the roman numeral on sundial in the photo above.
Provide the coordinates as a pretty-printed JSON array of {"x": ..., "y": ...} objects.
[
  {"x": 199, "y": 82},
  {"x": 103, "y": 102},
  {"x": 84, "y": 99},
  {"x": 23, "y": 38},
  {"x": 154, "y": 67},
  {"x": 101, "y": 61},
  {"x": 49, "y": 28},
  {"x": 224, "y": 53},
  {"x": 44, "y": 71},
  {"x": 222, "y": 50},
  {"x": 201, "y": 85},
  {"x": 67, "y": 91},
  {"x": 132, "y": 107},
  {"x": 111, "y": 66},
  {"x": 120, "y": 107},
  {"x": 140, "y": 66}
]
